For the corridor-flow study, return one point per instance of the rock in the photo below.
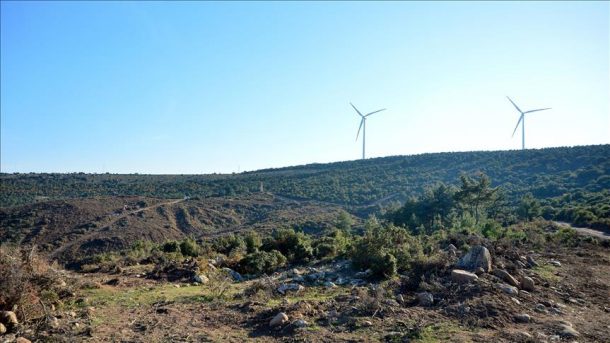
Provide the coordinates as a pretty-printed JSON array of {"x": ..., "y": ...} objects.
[
  {"x": 515, "y": 300},
  {"x": 314, "y": 276},
  {"x": 400, "y": 299},
  {"x": 295, "y": 272},
  {"x": 425, "y": 299},
  {"x": 235, "y": 275},
  {"x": 330, "y": 284},
  {"x": 528, "y": 284},
  {"x": 61, "y": 283},
  {"x": 2, "y": 329},
  {"x": 298, "y": 279},
  {"x": 177, "y": 285},
  {"x": 285, "y": 287},
  {"x": 462, "y": 276},
  {"x": 8, "y": 318},
  {"x": 479, "y": 271},
  {"x": 300, "y": 323},
  {"x": 279, "y": 319},
  {"x": 367, "y": 323},
  {"x": 508, "y": 289},
  {"x": 451, "y": 247},
  {"x": 540, "y": 308},
  {"x": 504, "y": 275},
  {"x": 566, "y": 330},
  {"x": 555, "y": 263},
  {"x": 22, "y": 340},
  {"x": 364, "y": 274},
  {"x": 531, "y": 262},
  {"x": 478, "y": 256},
  {"x": 522, "y": 318},
  {"x": 520, "y": 264},
  {"x": 54, "y": 322},
  {"x": 201, "y": 279},
  {"x": 341, "y": 281}
]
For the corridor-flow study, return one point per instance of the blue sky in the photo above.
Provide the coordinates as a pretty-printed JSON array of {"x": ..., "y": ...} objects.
[{"x": 221, "y": 87}]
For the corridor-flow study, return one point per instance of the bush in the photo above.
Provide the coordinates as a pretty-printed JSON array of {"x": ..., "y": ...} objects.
[
  {"x": 229, "y": 244},
  {"x": 171, "y": 246},
  {"x": 189, "y": 247},
  {"x": 336, "y": 243},
  {"x": 385, "y": 250},
  {"x": 262, "y": 262},
  {"x": 253, "y": 242},
  {"x": 296, "y": 246}
]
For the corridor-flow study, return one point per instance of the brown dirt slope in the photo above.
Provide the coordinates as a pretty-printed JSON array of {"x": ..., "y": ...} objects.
[{"x": 65, "y": 229}]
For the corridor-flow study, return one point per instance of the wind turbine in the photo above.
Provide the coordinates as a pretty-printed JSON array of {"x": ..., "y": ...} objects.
[
  {"x": 522, "y": 121},
  {"x": 363, "y": 126}
]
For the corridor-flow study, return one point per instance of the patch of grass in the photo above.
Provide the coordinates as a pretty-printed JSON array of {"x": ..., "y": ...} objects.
[
  {"x": 441, "y": 332},
  {"x": 547, "y": 272},
  {"x": 314, "y": 294}
]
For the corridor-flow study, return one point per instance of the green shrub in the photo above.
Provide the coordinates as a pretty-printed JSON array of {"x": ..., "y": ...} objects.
[
  {"x": 171, "y": 246},
  {"x": 189, "y": 247},
  {"x": 262, "y": 262},
  {"x": 229, "y": 244},
  {"x": 296, "y": 246},
  {"x": 253, "y": 242}
]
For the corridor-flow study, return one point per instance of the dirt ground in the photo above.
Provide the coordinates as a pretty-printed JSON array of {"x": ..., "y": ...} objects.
[{"x": 129, "y": 307}]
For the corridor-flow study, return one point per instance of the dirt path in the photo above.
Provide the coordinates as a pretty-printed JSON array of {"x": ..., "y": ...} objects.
[{"x": 586, "y": 231}]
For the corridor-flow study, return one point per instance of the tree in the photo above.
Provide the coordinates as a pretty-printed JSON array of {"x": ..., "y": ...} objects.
[
  {"x": 475, "y": 195},
  {"x": 529, "y": 207}
]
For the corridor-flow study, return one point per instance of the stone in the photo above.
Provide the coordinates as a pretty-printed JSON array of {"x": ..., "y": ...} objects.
[
  {"x": 462, "y": 276},
  {"x": 522, "y": 318},
  {"x": 515, "y": 300},
  {"x": 367, "y": 323},
  {"x": 285, "y": 287},
  {"x": 506, "y": 277},
  {"x": 425, "y": 299},
  {"x": 400, "y": 299},
  {"x": 479, "y": 271},
  {"x": 22, "y": 340},
  {"x": 2, "y": 329},
  {"x": 566, "y": 330},
  {"x": 201, "y": 279},
  {"x": 531, "y": 262},
  {"x": 279, "y": 319},
  {"x": 555, "y": 263},
  {"x": 8, "y": 318},
  {"x": 528, "y": 284},
  {"x": 508, "y": 289},
  {"x": 300, "y": 323},
  {"x": 477, "y": 256},
  {"x": 235, "y": 275},
  {"x": 540, "y": 308},
  {"x": 364, "y": 274},
  {"x": 54, "y": 322},
  {"x": 330, "y": 284},
  {"x": 295, "y": 272}
]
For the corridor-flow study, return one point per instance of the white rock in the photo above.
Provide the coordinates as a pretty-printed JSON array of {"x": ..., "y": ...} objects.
[
  {"x": 508, "y": 289},
  {"x": 462, "y": 276},
  {"x": 279, "y": 319}
]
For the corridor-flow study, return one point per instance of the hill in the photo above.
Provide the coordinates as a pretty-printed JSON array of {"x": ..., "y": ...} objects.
[{"x": 545, "y": 172}]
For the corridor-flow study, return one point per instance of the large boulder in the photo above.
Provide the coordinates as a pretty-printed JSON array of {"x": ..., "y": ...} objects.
[
  {"x": 478, "y": 256},
  {"x": 462, "y": 276}
]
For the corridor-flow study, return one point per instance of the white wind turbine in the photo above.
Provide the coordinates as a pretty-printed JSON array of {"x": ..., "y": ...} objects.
[
  {"x": 363, "y": 126},
  {"x": 522, "y": 121}
]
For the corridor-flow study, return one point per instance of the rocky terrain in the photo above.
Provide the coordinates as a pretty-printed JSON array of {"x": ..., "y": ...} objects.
[{"x": 491, "y": 291}]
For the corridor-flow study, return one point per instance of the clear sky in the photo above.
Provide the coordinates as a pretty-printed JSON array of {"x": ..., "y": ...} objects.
[{"x": 198, "y": 87}]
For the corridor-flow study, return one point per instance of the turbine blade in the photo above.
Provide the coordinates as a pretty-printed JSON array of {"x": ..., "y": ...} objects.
[
  {"x": 366, "y": 115},
  {"x": 360, "y": 127},
  {"x": 356, "y": 109},
  {"x": 541, "y": 109},
  {"x": 520, "y": 119},
  {"x": 517, "y": 107}
]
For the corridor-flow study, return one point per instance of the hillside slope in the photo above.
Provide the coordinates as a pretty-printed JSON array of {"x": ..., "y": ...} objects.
[{"x": 546, "y": 173}]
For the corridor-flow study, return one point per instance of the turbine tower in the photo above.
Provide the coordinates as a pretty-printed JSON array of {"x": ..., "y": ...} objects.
[
  {"x": 522, "y": 121},
  {"x": 363, "y": 127}
]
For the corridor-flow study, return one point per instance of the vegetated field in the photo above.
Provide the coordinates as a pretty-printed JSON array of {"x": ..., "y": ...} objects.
[{"x": 145, "y": 264}]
